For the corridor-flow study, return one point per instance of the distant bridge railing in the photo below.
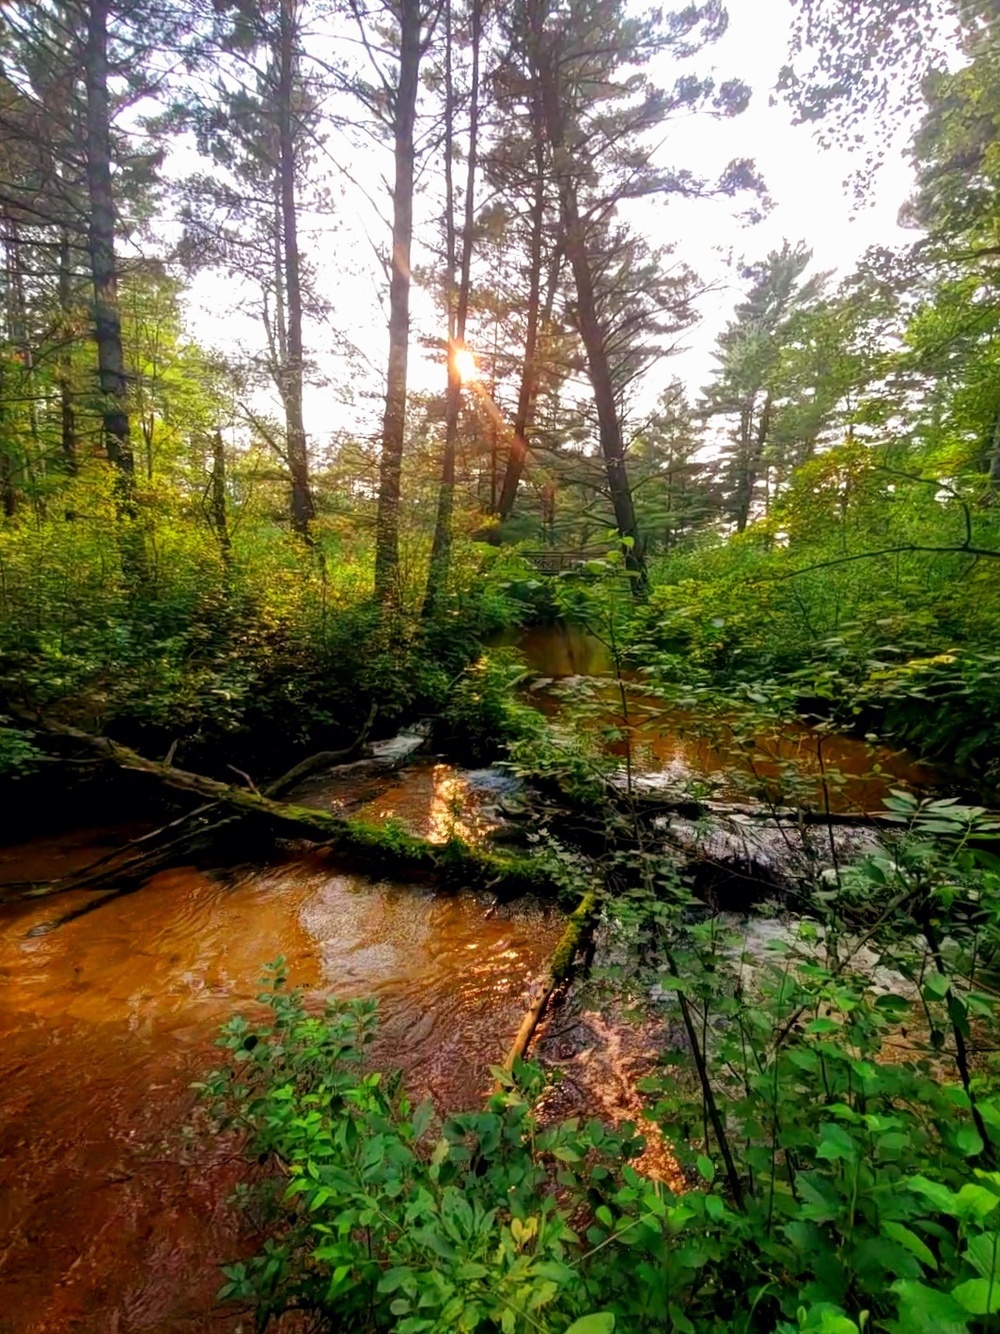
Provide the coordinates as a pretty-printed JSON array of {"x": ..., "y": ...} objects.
[{"x": 554, "y": 560}]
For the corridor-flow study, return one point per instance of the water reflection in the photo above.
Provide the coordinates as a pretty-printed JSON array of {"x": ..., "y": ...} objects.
[{"x": 675, "y": 748}]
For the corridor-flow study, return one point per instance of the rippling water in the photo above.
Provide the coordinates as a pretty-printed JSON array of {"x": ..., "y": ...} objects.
[{"x": 112, "y": 1217}]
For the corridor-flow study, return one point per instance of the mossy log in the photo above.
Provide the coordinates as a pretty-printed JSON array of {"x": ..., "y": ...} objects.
[
  {"x": 560, "y": 966},
  {"x": 386, "y": 849}
]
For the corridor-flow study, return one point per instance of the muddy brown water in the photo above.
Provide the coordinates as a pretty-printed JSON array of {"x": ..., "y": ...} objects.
[
  {"x": 673, "y": 748},
  {"x": 114, "y": 1213},
  {"x": 113, "y": 1216}
]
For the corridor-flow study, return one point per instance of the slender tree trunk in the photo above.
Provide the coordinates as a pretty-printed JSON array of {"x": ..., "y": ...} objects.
[
  {"x": 609, "y": 423},
  {"x": 394, "y": 420},
  {"x": 440, "y": 564},
  {"x": 992, "y": 468},
  {"x": 34, "y": 457},
  {"x": 65, "y": 367},
  {"x": 8, "y": 492},
  {"x": 101, "y": 244},
  {"x": 518, "y": 454},
  {"x": 753, "y": 453},
  {"x": 217, "y": 511},
  {"x": 303, "y": 510}
]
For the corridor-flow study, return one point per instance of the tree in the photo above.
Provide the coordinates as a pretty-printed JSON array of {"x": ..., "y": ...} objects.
[
  {"x": 598, "y": 114},
  {"x": 395, "y": 35},
  {"x": 457, "y": 303},
  {"x": 259, "y": 124},
  {"x": 747, "y": 387}
]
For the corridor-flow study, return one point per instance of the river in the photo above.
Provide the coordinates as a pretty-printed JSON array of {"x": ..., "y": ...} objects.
[{"x": 114, "y": 1214}]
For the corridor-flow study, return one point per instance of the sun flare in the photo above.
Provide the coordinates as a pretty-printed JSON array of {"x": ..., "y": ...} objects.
[{"x": 465, "y": 364}]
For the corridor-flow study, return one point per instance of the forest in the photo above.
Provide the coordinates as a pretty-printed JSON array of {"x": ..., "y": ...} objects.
[{"x": 499, "y": 667}]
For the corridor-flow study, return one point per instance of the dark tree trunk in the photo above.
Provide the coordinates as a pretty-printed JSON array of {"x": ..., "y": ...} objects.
[
  {"x": 303, "y": 510},
  {"x": 598, "y": 364},
  {"x": 752, "y": 447},
  {"x": 101, "y": 244},
  {"x": 440, "y": 564},
  {"x": 518, "y": 453},
  {"x": 394, "y": 420},
  {"x": 65, "y": 368},
  {"x": 217, "y": 499},
  {"x": 8, "y": 492}
]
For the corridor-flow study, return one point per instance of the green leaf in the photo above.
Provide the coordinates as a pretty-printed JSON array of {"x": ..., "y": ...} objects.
[
  {"x": 935, "y": 986},
  {"x": 835, "y": 1143},
  {"x": 822, "y": 1025},
  {"x": 922, "y": 1310},
  {"x": 969, "y": 1140},
  {"x": 978, "y": 1296},
  {"x": 706, "y": 1168},
  {"x": 602, "y": 1323},
  {"x": 982, "y": 1253},
  {"x": 912, "y": 1243}
]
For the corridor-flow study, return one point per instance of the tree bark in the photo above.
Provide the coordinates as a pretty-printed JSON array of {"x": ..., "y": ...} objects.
[
  {"x": 598, "y": 364},
  {"x": 578, "y": 925},
  {"x": 440, "y": 563},
  {"x": 518, "y": 453},
  {"x": 217, "y": 500},
  {"x": 303, "y": 510},
  {"x": 67, "y": 412},
  {"x": 394, "y": 420},
  {"x": 752, "y": 449},
  {"x": 112, "y": 379}
]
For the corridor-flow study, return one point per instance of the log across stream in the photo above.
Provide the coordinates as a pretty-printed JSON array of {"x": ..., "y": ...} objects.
[{"x": 112, "y": 1216}]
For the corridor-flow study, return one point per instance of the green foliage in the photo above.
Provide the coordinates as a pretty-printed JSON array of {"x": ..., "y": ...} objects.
[
  {"x": 276, "y": 647},
  {"x": 483, "y": 714},
  {"x": 17, "y": 754},
  {"x": 864, "y": 1195}
]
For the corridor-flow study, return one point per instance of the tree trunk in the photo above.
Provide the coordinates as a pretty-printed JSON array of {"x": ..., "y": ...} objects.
[
  {"x": 101, "y": 244},
  {"x": 217, "y": 499},
  {"x": 394, "y": 420},
  {"x": 8, "y": 492},
  {"x": 753, "y": 452},
  {"x": 518, "y": 454},
  {"x": 65, "y": 368},
  {"x": 992, "y": 461},
  {"x": 609, "y": 423},
  {"x": 303, "y": 510},
  {"x": 440, "y": 564}
]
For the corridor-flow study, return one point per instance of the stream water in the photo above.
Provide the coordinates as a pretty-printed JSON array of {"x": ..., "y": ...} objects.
[
  {"x": 113, "y": 1213},
  {"x": 111, "y": 1217}
]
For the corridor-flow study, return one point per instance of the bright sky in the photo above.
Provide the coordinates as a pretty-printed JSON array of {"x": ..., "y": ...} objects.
[{"x": 806, "y": 183}]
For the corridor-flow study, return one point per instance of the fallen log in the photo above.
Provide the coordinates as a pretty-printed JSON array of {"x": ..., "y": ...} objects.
[
  {"x": 324, "y": 759},
  {"x": 384, "y": 849},
  {"x": 560, "y": 965}
]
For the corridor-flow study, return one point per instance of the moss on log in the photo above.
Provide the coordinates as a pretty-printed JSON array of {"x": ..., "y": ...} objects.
[
  {"x": 560, "y": 966},
  {"x": 381, "y": 848}
]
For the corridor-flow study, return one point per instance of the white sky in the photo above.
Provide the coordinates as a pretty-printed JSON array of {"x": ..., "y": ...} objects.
[{"x": 805, "y": 182}]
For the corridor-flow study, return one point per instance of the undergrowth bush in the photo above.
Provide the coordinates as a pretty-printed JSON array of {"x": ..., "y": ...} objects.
[
  {"x": 275, "y": 648},
  {"x": 833, "y": 1097}
]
